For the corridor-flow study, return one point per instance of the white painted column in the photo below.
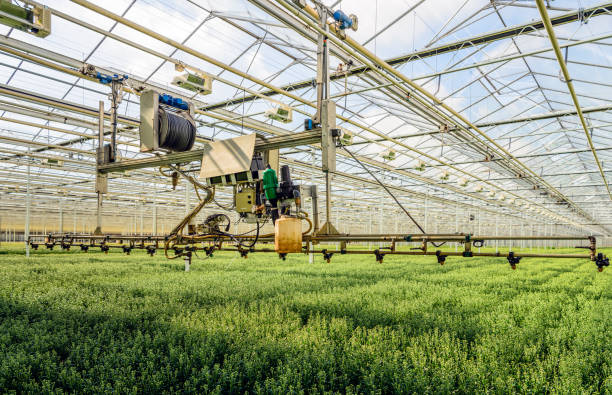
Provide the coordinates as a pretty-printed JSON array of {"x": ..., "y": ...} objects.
[
  {"x": 154, "y": 226},
  {"x": 61, "y": 215},
  {"x": 27, "y": 218},
  {"x": 370, "y": 229},
  {"x": 186, "y": 205},
  {"x": 426, "y": 213},
  {"x": 142, "y": 208},
  {"x": 496, "y": 233},
  {"x": 381, "y": 220},
  {"x": 456, "y": 224},
  {"x": 74, "y": 219},
  {"x": 478, "y": 230}
]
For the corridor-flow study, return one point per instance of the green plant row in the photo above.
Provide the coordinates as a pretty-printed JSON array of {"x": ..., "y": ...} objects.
[{"x": 95, "y": 323}]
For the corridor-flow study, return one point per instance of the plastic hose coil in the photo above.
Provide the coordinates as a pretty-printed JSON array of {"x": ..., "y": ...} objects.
[{"x": 175, "y": 132}]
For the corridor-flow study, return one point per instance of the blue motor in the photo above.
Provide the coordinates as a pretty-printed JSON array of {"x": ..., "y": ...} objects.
[
  {"x": 310, "y": 124},
  {"x": 173, "y": 102},
  {"x": 107, "y": 79},
  {"x": 345, "y": 21}
]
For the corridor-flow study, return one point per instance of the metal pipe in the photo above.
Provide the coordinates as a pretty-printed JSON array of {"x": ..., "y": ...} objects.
[
  {"x": 61, "y": 215},
  {"x": 48, "y": 127},
  {"x": 570, "y": 86},
  {"x": 154, "y": 227},
  {"x": 54, "y": 146},
  {"x": 101, "y": 132},
  {"x": 53, "y": 102},
  {"x": 348, "y": 238},
  {"x": 100, "y": 160}
]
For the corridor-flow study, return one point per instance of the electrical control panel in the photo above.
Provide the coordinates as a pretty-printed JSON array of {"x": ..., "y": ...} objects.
[{"x": 245, "y": 199}]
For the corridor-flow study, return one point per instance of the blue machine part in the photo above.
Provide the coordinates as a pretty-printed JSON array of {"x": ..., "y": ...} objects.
[
  {"x": 107, "y": 79},
  {"x": 344, "y": 20},
  {"x": 308, "y": 124},
  {"x": 173, "y": 102}
]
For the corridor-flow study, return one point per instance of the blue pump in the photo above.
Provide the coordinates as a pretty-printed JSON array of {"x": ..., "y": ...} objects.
[{"x": 344, "y": 21}]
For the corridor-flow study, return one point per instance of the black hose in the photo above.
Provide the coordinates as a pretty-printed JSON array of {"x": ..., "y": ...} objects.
[
  {"x": 239, "y": 242},
  {"x": 176, "y": 133}
]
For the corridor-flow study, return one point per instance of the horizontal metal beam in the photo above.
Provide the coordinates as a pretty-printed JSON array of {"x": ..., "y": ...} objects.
[
  {"x": 528, "y": 156},
  {"x": 270, "y": 143},
  {"x": 508, "y": 121},
  {"x": 23, "y": 94}
]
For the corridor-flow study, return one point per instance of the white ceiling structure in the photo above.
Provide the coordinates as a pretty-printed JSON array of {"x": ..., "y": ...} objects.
[{"x": 476, "y": 91}]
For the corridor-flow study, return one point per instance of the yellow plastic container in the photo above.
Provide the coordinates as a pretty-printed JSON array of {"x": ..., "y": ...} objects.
[{"x": 288, "y": 235}]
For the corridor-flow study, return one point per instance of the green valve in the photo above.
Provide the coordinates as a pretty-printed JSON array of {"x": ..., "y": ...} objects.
[
  {"x": 468, "y": 238},
  {"x": 408, "y": 238},
  {"x": 270, "y": 183}
]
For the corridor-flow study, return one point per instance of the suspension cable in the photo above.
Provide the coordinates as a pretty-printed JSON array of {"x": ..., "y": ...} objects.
[{"x": 390, "y": 193}]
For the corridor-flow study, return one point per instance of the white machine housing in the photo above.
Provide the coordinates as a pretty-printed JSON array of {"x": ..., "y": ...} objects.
[
  {"x": 198, "y": 83},
  {"x": 281, "y": 112}
]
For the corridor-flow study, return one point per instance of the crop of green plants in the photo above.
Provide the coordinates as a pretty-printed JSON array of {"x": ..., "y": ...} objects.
[{"x": 96, "y": 323}]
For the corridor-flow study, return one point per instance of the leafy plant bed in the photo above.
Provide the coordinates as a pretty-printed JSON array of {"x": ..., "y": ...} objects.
[{"x": 96, "y": 323}]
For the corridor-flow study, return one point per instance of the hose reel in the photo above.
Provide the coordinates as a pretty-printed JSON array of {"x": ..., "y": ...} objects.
[
  {"x": 166, "y": 123},
  {"x": 175, "y": 132}
]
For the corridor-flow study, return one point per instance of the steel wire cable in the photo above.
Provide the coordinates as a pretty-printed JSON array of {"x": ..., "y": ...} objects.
[{"x": 390, "y": 194}]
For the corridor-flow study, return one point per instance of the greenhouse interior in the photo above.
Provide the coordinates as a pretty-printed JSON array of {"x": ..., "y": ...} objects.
[{"x": 305, "y": 196}]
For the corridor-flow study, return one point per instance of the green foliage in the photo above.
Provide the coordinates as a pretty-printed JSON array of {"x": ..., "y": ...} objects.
[{"x": 95, "y": 323}]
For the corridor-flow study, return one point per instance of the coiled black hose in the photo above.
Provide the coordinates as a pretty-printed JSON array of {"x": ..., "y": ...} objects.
[{"x": 175, "y": 132}]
